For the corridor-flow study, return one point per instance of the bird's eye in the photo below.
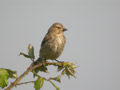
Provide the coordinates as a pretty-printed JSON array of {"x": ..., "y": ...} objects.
[{"x": 58, "y": 27}]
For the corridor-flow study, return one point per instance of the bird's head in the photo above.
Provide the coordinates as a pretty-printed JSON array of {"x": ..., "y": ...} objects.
[{"x": 57, "y": 28}]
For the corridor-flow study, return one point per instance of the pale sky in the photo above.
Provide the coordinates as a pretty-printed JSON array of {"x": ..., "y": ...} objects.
[{"x": 93, "y": 39}]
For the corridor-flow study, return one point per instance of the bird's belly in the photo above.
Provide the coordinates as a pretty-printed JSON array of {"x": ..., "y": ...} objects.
[{"x": 53, "y": 49}]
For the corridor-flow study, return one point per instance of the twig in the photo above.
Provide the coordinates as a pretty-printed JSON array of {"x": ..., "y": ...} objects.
[
  {"x": 25, "y": 82},
  {"x": 29, "y": 69}
]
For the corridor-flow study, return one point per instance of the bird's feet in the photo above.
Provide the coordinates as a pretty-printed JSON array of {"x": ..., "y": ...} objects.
[{"x": 59, "y": 61}]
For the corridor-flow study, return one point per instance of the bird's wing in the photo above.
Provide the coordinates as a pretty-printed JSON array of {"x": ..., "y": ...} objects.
[{"x": 46, "y": 38}]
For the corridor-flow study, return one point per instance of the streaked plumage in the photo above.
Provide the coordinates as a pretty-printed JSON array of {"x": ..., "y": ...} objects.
[{"x": 53, "y": 42}]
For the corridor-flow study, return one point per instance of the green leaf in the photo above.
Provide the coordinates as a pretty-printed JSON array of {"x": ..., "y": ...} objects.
[
  {"x": 39, "y": 83},
  {"x": 24, "y": 55},
  {"x": 4, "y": 75},
  {"x": 56, "y": 78},
  {"x": 31, "y": 51},
  {"x": 69, "y": 72},
  {"x": 59, "y": 68},
  {"x": 66, "y": 64},
  {"x": 3, "y": 78},
  {"x": 57, "y": 88},
  {"x": 41, "y": 68},
  {"x": 12, "y": 74},
  {"x": 63, "y": 72}
]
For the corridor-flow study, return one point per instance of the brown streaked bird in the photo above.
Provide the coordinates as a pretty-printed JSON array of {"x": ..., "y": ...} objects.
[{"x": 53, "y": 43}]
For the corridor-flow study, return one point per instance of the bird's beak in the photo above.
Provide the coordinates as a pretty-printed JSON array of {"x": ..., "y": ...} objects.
[{"x": 65, "y": 29}]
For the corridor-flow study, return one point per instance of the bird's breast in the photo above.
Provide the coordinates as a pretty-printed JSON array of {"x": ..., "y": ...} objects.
[
  {"x": 53, "y": 48},
  {"x": 59, "y": 42}
]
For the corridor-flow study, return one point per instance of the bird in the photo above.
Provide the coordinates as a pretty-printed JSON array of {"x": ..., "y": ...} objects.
[{"x": 53, "y": 43}]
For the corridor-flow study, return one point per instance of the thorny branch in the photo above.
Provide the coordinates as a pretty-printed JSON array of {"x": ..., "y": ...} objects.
[
  {"x": 29, "y": 69},
  {"x": 25, "y": 82}
]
